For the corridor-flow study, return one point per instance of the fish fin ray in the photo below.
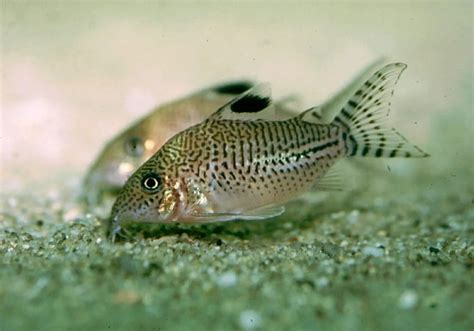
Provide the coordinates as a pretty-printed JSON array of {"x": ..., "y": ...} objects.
[
  {"x": 252, "y": 215},
  {"x": 364, "y": 114},
  {"x": 265, "y": 212},
  {"x": 213, "y": 217},
  {"x": 254, "y": 104},
  {"x": 334, "y": 180}
]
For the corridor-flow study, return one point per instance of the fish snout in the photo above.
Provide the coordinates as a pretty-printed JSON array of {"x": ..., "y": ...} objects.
[{"x": 120, "y": 214}]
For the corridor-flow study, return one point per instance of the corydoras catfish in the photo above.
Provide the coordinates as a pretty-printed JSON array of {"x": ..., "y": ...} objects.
[
  {"x": 123, "y": 154},
  {"x": 238, "y": 165}
]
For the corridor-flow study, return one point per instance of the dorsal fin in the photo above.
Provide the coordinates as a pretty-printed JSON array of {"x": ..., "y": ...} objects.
[
  {"x": 254, "y": 104},
  {"x": 225, "y": 90},
  {"x": 235, "y": 87}
]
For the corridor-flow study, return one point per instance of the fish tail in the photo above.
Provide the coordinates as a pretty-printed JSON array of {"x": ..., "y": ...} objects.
[{"x": 363, "y": 115}]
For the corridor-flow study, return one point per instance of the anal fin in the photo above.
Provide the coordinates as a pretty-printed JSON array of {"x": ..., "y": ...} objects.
[{"x": 334, "y": 180}]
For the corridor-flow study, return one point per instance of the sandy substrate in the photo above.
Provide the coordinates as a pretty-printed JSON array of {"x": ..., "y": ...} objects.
[
  {"x": 390, "y": 255},
  {"x": 394, "y": 252}
]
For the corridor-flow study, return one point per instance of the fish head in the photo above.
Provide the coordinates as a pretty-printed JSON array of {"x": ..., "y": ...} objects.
[
  {"x": 115, "y": 164},
  {"x": 127, "y": 151},
  {"x": 149, "y": 196}
]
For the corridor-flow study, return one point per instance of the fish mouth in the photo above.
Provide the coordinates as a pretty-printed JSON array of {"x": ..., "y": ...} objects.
[
  {"x": 115, "y": 220},
  {"x": 120, "y": 217},
  {"x": 170, "y": 210}
]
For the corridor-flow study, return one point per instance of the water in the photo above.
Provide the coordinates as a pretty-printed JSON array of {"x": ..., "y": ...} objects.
[{"x": 394, "y": 253}]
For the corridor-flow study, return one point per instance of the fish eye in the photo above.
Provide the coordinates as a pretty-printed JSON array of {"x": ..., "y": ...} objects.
[
  {"x": 134, "y": 146},
  {"x": 151, "y": 183}
]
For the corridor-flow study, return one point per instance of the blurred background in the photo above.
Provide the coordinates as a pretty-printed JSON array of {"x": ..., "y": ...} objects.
[
  {"x": 74, "y": 73},
  {"x": 394, "y": 253}
]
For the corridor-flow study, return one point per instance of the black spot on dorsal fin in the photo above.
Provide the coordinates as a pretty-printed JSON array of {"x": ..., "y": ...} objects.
[
  {"x": 234, "y": 88},
  {"x": 250, "y": 103}
]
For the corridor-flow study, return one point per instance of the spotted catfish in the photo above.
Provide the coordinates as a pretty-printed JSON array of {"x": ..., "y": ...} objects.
[
  {"x": 132, "y": 147},
  {"x": 238, "y": 165}
]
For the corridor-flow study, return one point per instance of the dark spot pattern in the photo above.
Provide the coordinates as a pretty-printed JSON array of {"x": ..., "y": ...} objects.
[
  {"x": 362, "y": 114},
  {"x": 234, "y": 88},
  {"x": 250, "y": 104}
]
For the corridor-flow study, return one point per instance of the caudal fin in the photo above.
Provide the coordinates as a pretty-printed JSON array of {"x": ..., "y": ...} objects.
[{"x": 363, "y": 115}]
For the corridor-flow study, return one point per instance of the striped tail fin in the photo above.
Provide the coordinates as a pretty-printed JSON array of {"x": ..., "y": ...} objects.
[{"x": 364, "y": 114}]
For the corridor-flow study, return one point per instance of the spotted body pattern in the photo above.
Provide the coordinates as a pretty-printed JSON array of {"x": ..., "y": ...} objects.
[
  {"x": 131, "y": 148},
  {"x": 238, "y": 165},
  {"x": 242, "y": 160}
]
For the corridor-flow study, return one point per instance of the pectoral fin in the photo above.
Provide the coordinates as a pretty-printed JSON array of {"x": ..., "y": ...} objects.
[{"x": 252, "y": 215}]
